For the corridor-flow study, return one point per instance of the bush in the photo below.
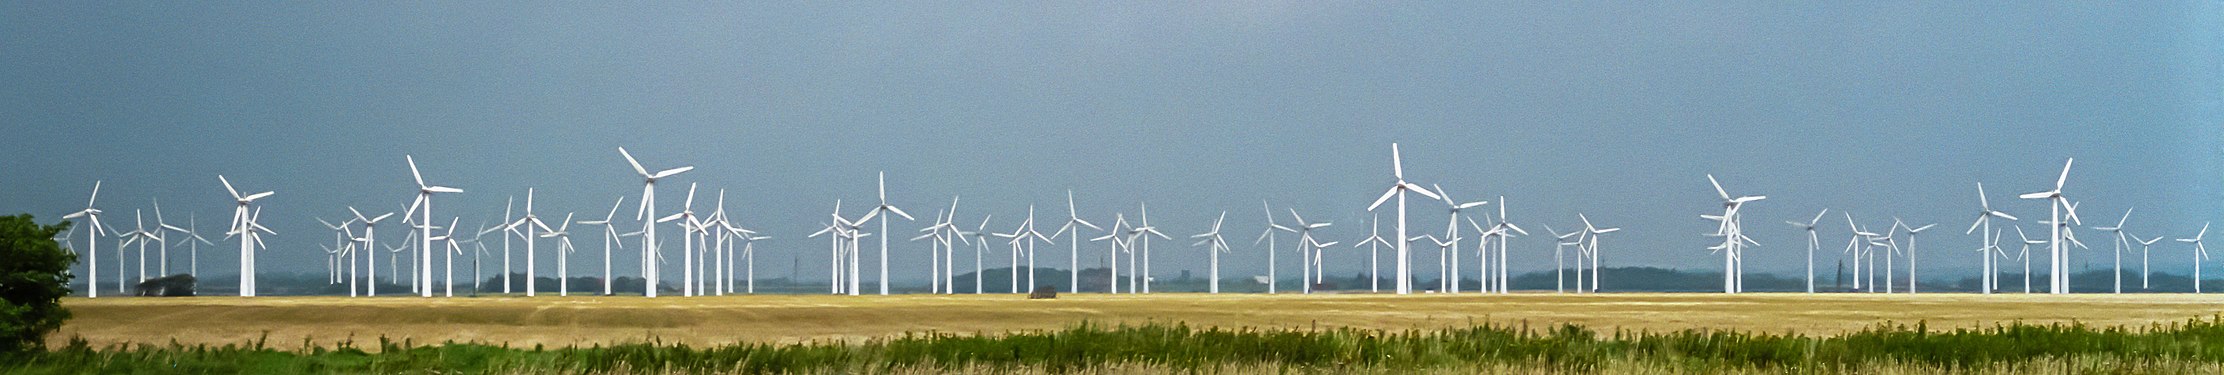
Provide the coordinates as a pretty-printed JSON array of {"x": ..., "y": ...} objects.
[{"x": 34, "y": 275}]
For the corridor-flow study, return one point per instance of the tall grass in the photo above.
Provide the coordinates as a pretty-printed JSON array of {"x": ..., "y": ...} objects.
[{"x": 2193, "y": 346}]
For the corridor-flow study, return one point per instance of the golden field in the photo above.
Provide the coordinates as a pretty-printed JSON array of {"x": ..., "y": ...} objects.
[{"x": 578, "y": 320}]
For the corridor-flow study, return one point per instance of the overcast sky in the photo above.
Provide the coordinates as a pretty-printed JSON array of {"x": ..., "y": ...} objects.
[{"x": 1613, "y": 109}]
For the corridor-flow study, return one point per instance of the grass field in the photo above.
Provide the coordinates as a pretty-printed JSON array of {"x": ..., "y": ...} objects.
[{"x": 706, "y": 321}]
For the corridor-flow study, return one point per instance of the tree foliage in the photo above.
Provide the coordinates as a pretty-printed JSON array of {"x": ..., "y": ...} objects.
[{"x": 34, "y": 275}]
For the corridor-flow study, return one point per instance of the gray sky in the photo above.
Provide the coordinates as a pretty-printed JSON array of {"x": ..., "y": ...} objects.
[{"x": 1617, "y": 110}]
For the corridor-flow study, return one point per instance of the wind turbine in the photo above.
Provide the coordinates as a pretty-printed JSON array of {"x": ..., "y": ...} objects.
[
  {"x": 1911, "y": 234},
  {"x": 2144, "y": 246},
  {"x": 140, "y": 236},
  {"x": 1992, "y": 269},
  {"x": 2200, "y": 252},
  {"x": 1216, "y": 246},
  {"x": 1442, "y": 246},
  {"x": 192, "y": 229},
  {"x": 648, "y": 211},
  {"x": 884, "y": 206},
  {"x": 689, "y": 225},
  {"x": 1144, "y": 230},
  {"x": 980, "y": 248},
  {"x": 1732, "y": 231},
  {"x": 2121, "y": 244},
  {"x": 163, "y": 226},
  {"x": 531, "y": 221},
  {"x": 2026, "y": 255},
  {"x": 1559, "y": 267},
  {"x": 933, "y": 236},
  {"x": 1373, "y": 242},
  {"x": 1593, "y": 233},
  {"x": 1858, "y": 248},
  {"x": 1112, "y": 281},
  {"x": 1482, "y": 247},
  {"x": 243, "y": 224},
  {"x": 1073, "y": 243},
  {"x": 1305, "y": 248},
  {"x": 1813, "y": 242},
  {"x": 423, "y": 204},
  {"x": 448, "y": 266},
  {"x": 562, "y": 234},
  {"x": 1451, "y": 230},
  {"x": 1985, "y": 214},
  {"x": 370, "y": 244},
  {"x": 92, "y": 241},
  {"x": 2059, "y": 265},
  {"x": 1268, "y": 236},
  {"x": 1505, "y": 238},
  {"x": 609, "y": 237},
  {"x": 1399, "y": 188},
  {"x": 477, "y": 279}
]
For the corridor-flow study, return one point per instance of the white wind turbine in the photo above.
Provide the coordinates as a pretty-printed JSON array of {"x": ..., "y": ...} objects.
[
  {"x": 1451, "y": 230},
  {"x": 647, "y": 212},
  {"x": 1559, "y": 267},
  {"x": 689, "y": 225},
  {"x": 530, "y": 222},
  {"x": 1118, "y": 235},
  {"x": 1017, "y": 236},
  {"x": 609, "y": 237},
  {"x": 1911, "y": 234},
  {"x": 343, "y": 240},
  {"x": 1593, "y": 233},
  {"x": 2059, "y": 280},
  {"x": 423, "y": 204},
  {"x": 1505, "y": 230},
  {"x": 1214, "y": 246},
  {"x": 1073, "y": 242},
  {"x": 1144, "y": 230},
  {"x": 1813, "y": 242},
  {"x": 2200, "y": 252},
  {"x": 980, "y": 249},
  {"x": 192, "y": 230},
  {"x": 1985, "y": 214},
  {"x": 141, "y": 237},
  {"x": 1308, "y": 262},
  {"x": 1268, "y": 236},
  {"x": 562, "y": 234},
  {"x": 884, "y": 206},
  {"x": 1373, "y": 243},
  {"x": 2026, "y": 255},
  {"x": 2144, "y": 246},
  {"x": 477, "y": 278},
  {"x": 1482, "y": 254},
  {"x": 834, "y": 233},
  {"x": 933, "y": 235},
  {"x": 163, "y": 226},
  {"x": 370, "y": 244},
  {"x": 1399, "y": 188},
  {"x": 1442, "y": 246},
  {"x": 448, "y": 263},
  {"x": 244, "y": 225},
  {"x": 1991, "y": 280},
  {"x": 92, "y": 241},
  {"x": 1734, "y": 240},
  {"x": 2121, "y": 244},
  {"x": 1858, "y": 248}
]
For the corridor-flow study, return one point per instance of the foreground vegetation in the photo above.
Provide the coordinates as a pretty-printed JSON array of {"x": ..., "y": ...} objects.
[{"x": 2189, "y": 347}]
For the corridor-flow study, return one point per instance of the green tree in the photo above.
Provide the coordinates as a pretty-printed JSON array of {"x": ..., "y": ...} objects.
[{"x": 34, "y": 275}]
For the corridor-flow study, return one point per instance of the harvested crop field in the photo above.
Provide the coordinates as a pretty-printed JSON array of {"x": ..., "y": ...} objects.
[{"x": 563, "y": 321}]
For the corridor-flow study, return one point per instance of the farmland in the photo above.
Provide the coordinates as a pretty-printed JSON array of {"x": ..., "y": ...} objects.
[{"x": 787, "y": 319}]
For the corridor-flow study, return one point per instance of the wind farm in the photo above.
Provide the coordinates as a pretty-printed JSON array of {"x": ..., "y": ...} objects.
[{"x": 1337, "y": 136}]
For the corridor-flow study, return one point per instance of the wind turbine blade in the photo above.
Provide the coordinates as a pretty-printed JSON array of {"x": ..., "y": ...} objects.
[
  {"x": 1718, "y": 187},
  {"x": 2038, "y": 195},
  {"x": 261, "y": 195},
  {"x": 1378, "y": 201},
  {"x": 413, "y": 170},
  {"x": 672, "y": 172},
  {"x": 636, "y": 164},
  {"x": 219, "y": 178},
  {"x": 900, "y": 212},
  {"x": 2058, "y": 181},
  {"x": 1424, "y": 192},
  {"x": 1982, "y": 201},
  {"x": 1397, "y": 163}
]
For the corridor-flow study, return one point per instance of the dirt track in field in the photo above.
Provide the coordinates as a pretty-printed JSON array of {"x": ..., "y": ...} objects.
[{"x": 559, "y": 321}]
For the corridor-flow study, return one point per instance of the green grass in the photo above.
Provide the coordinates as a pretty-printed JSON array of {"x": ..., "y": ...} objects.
[{"x": 2192, "y": 346}]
